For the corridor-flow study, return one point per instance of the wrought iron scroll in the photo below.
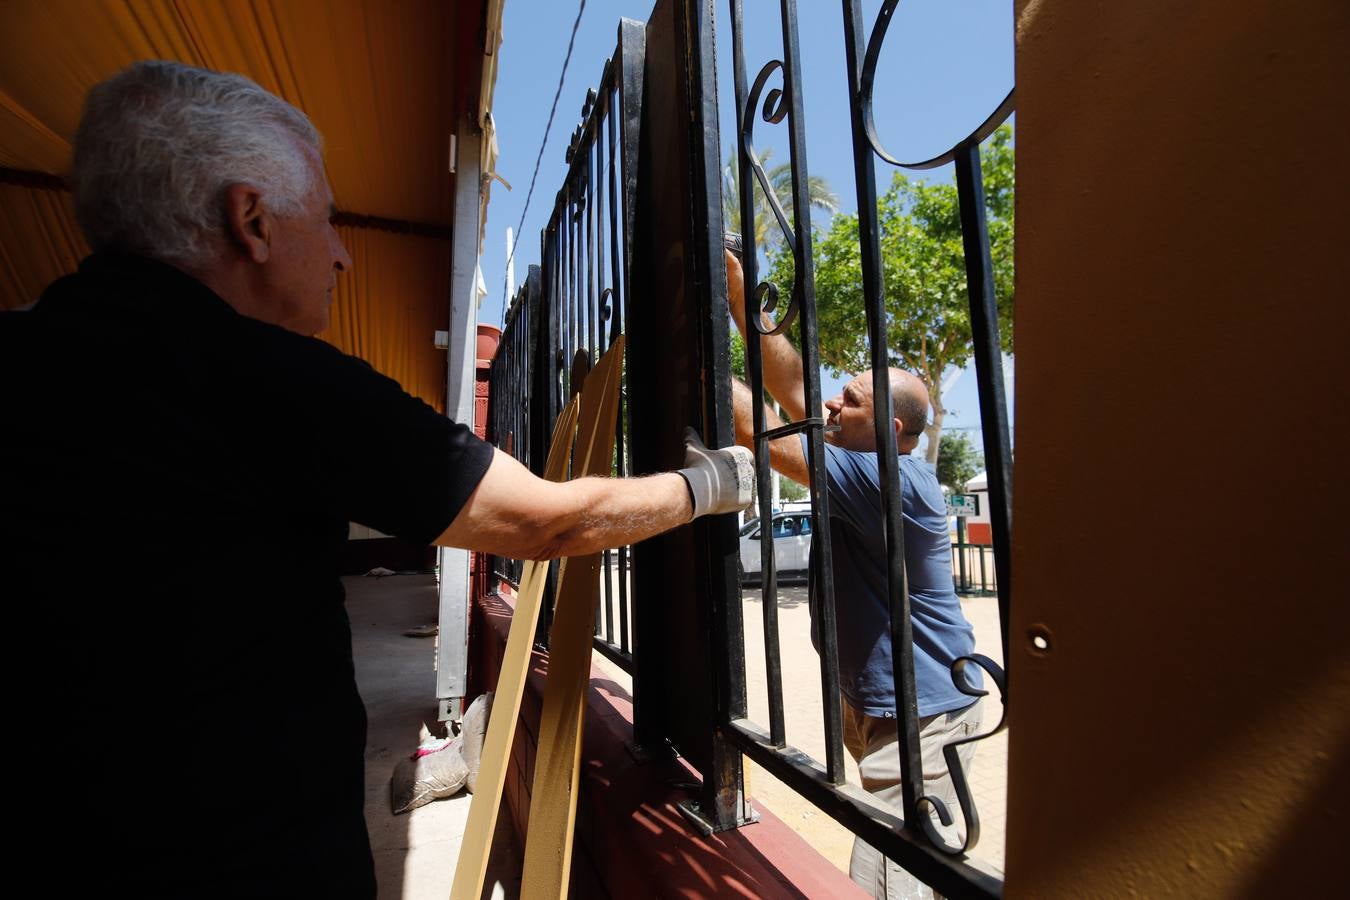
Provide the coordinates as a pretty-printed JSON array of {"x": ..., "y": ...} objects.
[
  {"x": 993, "y": 407},
  {"x": 914, "y": 841},
  {"x": 864, "y": 101},
  {"x": 782, "y": 104}
]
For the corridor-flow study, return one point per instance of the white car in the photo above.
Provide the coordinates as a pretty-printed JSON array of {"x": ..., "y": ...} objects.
[{"x": 791, "y": 546}]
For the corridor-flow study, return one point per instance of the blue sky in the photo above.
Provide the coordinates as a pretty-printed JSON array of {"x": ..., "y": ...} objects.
[{"x": 945, "y": 66}]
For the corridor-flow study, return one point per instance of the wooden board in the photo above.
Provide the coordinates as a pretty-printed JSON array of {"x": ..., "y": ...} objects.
[
  {"x": 471, "y": 868},
  {"x": 553, "y": 799}
]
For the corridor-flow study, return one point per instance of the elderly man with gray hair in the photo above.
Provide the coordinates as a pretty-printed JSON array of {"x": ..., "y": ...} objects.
[{"x": 174, "y": 426}]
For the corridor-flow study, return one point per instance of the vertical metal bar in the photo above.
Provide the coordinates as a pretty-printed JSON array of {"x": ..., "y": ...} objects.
[
  {"x": 592, "y": 307},
  {"x": 869, "y": 227},
  {"x": 603, "y": 113},
  {"x": 573, "y": 287},
  {"x": 724, "y": 794},
  {"x": 768, "y": 567},
  {"x": 579, "y": 280},
  {"x": 805, "y": 289},
  {"x": 961, "y": 549},
  {"x": 616, "y": 303},
  {"x": 632, "y": 40},
  {"x": 453, "y": 617},
  {"x": 988, "y": 369}
]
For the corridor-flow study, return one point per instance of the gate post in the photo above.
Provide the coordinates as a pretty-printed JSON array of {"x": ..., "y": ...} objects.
[{"x": 688, "y": 669}]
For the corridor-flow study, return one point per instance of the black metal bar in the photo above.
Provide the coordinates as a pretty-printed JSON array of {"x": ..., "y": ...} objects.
[
  {"x": 616, "y": 655},
  {"x": 689, "y": 675},
  {"x": 804, "y": 289},
  {"x": 574, "y": 298},
  {"x": 590, "y": 315},
  {"x": 718, "y": 539},
  {"x": 802, "y": 427},
  {"x": 605, "y": 202},
  {"x": 869, "y": 228},
  {"x": 768, "y": 567},
  {"x": 961, "y": 549},
  {"x": 632, "y": 52},
  {"x": 864, "y": 815},
  {"x": 617, "y": 313},
  {"x": 988, "y": 369}
]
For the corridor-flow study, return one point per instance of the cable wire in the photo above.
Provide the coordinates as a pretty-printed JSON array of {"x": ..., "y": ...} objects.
[{"x": 562, "y": 77}]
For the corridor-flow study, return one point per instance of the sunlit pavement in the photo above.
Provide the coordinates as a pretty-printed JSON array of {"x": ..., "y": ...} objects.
[
  {"x": 803, "y": 717},
  {"x": 415, "y": 853},
  {"x": 802, "y": 713}
]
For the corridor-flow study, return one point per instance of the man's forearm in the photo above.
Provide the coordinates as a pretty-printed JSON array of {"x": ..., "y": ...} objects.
[
  {"x": 782, "y": 366},
  {"x": 781, "y": 363},
  {"x": 785, "y": 453},
  {"x": 612, "y": 512}
]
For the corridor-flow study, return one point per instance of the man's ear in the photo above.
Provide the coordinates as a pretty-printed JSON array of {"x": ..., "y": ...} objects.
[{"x": 248, "y": 221}]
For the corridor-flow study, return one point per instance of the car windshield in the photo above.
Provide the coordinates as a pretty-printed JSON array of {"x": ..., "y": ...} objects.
[{"x": 749, "y": 527}]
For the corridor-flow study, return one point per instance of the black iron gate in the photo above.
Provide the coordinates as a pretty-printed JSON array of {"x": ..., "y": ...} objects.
[
  {"x": 634, "y": 245},
  {"x": 572, "y": 308},
  {"x": 912, "y": 840}
]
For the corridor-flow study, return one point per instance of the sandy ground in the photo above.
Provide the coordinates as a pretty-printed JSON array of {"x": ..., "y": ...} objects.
[{"x": 804, "y": 720}]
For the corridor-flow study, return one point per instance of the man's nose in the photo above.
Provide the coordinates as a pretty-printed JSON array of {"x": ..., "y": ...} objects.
[
  {"x": 834, "y": 404},
  {"x": 342, "y": 261}
]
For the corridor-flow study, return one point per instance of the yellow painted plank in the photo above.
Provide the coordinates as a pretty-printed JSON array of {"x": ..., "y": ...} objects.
[
  {"x": 471, "y": 868},
  {"x": 553, "y": 800}
]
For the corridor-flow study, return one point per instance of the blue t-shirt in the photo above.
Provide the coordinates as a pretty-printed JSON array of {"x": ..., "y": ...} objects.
[{"x": 862, "y": 604}]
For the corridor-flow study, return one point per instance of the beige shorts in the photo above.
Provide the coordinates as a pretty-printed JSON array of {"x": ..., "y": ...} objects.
[{"x": 874, "y": 743}]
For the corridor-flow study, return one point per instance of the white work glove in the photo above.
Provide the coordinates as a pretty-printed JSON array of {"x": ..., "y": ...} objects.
[{"x": 720, "y": 481}]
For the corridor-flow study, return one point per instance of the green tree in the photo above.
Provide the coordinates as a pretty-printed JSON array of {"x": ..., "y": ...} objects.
[
  {"x": 923, "y": 266},
  {"x": 958, "y": 462},
  {"x": 767, "y": 233},
  {"x": 790, "y": 490}
]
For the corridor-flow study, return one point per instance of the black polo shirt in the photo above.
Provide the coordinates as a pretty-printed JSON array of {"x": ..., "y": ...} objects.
[{"x": 178, "y": 480}]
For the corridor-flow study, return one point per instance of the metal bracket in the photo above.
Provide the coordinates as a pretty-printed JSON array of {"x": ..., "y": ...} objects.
[
  {"x": 693, "y": 811},
  {"x": 645, "y": 753},
  {"x": 450, "y": 710}
]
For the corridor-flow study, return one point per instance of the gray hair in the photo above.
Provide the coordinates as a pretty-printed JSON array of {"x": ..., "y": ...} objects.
[{"x": 160, "y": 142}]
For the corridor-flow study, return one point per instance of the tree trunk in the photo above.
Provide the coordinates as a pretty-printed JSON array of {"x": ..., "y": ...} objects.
[{"x": 934, "y": 429}]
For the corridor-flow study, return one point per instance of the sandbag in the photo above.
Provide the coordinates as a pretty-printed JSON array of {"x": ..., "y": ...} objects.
[
  {"x": 472, "y": 731},
  {"x": 435, "y": 771}
]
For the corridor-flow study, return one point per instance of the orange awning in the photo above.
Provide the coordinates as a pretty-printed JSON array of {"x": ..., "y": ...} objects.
[{"x": 383, "y": 82}]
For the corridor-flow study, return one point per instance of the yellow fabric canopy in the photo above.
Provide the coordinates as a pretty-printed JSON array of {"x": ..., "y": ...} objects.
[
  {"x": 39, "y": 242},
  {"x": 382, "y": 81}
]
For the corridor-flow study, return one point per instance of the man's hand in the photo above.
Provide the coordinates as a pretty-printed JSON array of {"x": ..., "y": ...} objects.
[
  {"x": 782, "y": 366},
  {"x": 720, "y": 481}
]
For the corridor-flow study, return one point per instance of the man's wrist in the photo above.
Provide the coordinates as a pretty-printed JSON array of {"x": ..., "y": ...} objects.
[{"x": 689, "y": 493}]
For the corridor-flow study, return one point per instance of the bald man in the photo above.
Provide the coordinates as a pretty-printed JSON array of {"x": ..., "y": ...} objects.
[{"x": 861, "y": 595}]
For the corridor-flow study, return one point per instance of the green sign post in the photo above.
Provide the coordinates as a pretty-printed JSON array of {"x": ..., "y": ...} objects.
[{"x": 963, "y": 505}]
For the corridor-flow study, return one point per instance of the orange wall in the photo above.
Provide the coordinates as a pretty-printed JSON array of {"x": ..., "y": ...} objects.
[{"x": 1182, "y": 297}]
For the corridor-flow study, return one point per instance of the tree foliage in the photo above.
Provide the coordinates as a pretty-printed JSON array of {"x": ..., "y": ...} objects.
[
  {"x": 768, "y": 235},
  {"x": 923, "y": 267},
  {"x": 958, "y": 462}
]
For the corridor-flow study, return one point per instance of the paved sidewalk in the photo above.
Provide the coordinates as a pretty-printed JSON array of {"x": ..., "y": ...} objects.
[
  {"x": 804, "y": 720},
  {"x": 415, "y": 853}
]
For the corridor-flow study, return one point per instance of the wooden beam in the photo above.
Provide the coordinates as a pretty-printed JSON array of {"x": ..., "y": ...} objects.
[
  {"x": 471, "y": 868},
  {"x": 557, "y": 767},
  {"x": 46, "y": 181}
]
